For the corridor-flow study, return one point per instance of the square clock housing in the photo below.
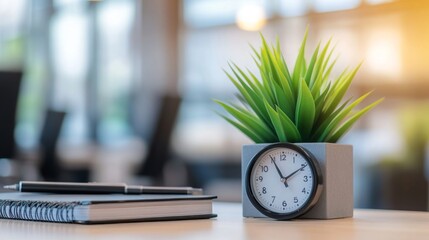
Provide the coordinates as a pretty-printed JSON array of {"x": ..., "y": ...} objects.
[{"x": 336, "y": 165}]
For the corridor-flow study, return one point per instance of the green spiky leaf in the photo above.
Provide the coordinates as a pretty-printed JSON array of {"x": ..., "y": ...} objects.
[
  {"x": 305, "y": 105},
  {"x": 305, "y": 110}
]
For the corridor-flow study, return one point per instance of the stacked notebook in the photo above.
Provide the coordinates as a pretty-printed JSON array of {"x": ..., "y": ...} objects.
[{"x": 88, "y": 209}]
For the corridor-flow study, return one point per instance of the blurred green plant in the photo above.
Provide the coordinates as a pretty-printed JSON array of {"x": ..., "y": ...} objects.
[{"x": 299, "y": 106}]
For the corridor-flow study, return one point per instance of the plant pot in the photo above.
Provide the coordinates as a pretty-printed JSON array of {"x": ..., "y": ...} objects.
[{"x": 336, "y": 165}]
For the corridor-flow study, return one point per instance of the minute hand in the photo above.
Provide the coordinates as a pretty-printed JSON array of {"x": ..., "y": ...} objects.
[
  {"x": 279, "y": 172},
  {"x": 293, "y": 173}
]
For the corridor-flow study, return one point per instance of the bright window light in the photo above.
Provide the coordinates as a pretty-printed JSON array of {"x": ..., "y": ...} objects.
[
  {"x": 383, "y": 53},
  {"x": 251, "y": 17},
  {"x": 11, "y": 13},
  {"x": 334, "y": 5}
]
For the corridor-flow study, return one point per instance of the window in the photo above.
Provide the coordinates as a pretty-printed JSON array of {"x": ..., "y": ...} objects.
[
  {"x": 18, "y": 51},
  {"x": 293, "y": 8},
  {"x": 205, "y": 13},
  {"x": 115, "y": 21},
  {"x": 70, "y": 59},
  {"x": 375, "y": 2},
  {"x": 334, "y": 5},
  {"x": 91, "y": 46}
]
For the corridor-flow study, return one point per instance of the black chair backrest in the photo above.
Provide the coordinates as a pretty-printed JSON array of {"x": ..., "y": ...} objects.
[
  {"x": 159, "y": 144},
  {"x": 10, "y": 82},
  {"x": 49, "y": 165},
  {"x": 51, "y": 128}
]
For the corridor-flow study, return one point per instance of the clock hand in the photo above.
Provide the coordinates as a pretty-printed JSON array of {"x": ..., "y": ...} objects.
[
  {"x": 282, "y": 179},
  {"x": 293, "y": 173}
]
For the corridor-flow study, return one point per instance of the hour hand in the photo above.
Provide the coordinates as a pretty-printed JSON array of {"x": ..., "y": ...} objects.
[
  {"x": 282, "y": 179},
  {"x": 293, "y": 173}
]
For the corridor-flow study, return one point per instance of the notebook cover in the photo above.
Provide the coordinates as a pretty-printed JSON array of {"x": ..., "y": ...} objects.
[
  {"x": 189, "y": 217},
  {"x": 93, "y": 199},
  {"x": 99, "y": 198}
]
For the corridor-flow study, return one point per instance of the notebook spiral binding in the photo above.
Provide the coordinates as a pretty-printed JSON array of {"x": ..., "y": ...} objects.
[{"x": 38, "y": 210}]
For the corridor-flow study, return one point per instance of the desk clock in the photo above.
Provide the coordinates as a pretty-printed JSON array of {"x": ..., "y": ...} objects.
[
  {"x": 301, "y": 180},
  {"x": 283, "y": 181}
]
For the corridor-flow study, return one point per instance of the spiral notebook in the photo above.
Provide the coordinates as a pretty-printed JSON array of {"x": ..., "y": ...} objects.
[{"x": 107, "y": 208}]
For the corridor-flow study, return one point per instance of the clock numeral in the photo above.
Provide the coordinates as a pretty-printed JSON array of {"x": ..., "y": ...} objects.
[
  {"x": 282, "y": 156},
  {"x": 303, "y": 166},
  {"x": 264, "y": 168},
  {"x": 295, "y": 200},
  {"x": 284, "y": 204},
  {"x": 305, "y": 179},
  {"x": 303, "y": 190},
  {"x": 293, "y": 159},
  {"x": 274, "y": 198},
  {"x": 264, "y": 190},
  {"x": 260, "y": 178}
]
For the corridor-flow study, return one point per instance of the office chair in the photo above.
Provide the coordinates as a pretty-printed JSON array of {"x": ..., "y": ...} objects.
[
  {"x": 159, "y": 144},
  {"x": 50, "y": 168},
  {"x": 10, "y": 82}
]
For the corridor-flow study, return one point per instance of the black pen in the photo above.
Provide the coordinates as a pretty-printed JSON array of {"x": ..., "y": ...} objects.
[{"x": 97, "y": 188}]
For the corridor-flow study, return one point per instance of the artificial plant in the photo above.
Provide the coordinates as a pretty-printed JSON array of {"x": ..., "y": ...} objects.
[{"x": 299, "y": 104}]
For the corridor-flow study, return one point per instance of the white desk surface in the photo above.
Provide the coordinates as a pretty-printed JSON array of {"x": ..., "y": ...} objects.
[{"x": 366, "y": 224}]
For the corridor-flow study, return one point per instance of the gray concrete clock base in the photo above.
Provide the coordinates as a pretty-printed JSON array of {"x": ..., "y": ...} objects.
[{"x": 336, "y": 163}]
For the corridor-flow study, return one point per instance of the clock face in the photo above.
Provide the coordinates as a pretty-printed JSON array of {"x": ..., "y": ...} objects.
[{"x": 283, "y": 181}]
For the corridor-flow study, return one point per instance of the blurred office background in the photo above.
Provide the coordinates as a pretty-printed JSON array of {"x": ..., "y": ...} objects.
[{"x": 121, "y": 90}]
